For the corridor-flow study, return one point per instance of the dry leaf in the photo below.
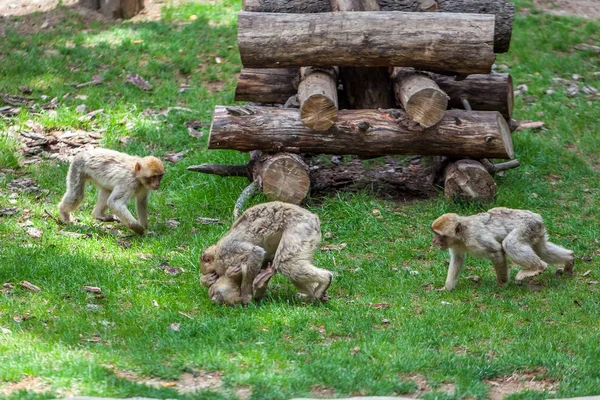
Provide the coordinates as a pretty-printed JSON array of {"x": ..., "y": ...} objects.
[
  {"x": 138, "y": 81},
  {"x": 474, "y": 278},
  {"x": 592, "y": 282},
  {"x": 586, "y": 273},
  {"x": 175, "y": 157},
  {"x": 96, "y": 80},
  {"x": 354, "y": 350},
  {"x": 30, "y": 286},
  {"x": 8, "y": 211},
  {"x": 380, "y": 305},
  {"x": 34, "y": 233},
  {"x": 173, "y": 223},
  {"x": 168, "y": 269},
  {"x": 92, "y": 289},
  {"x": 329, "y": 247},
  {"x": 529, "y": 125},
  {"x": 193, "y": 127},
  {"x": 155, "y": 303},
  {"x": 208, "y": 221},
  {"x": 175, "y": 326},
  {"x": 89, "y": 116},
  {"x": 25, "y": 89},
  {"x": 588, "y": 47}
]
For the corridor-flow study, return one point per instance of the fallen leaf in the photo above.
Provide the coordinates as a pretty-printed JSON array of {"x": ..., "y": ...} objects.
[
  {"x": 175, "y": 326},
  {"x": 30, "y": 286},
  {"x": 155, "y": 303},
  {"x": 380, "y": 305},
  {"x": 175, "y": 157},
  {"x": 169, "y": 269},
  {"x": 92, "y": 289},
  {"x": 8, "y": 211},
  {"x": 376, "y": 213},
  {"x": 25, "y": 89},
  {"x": 592, "y": 282},
  {"x": 193, "y": 127},
  {"x": 173, "y": 223},
  {"x": 385, "y": 321},
  {"x": 35, "y": 233},
  {"x": 474, "y": 278},
  {"x": 446, "y": 303},
  {"x": 80, "y": 109},
  {"x": 125, "y": 140},
  {"x": 354, "y": 350},
  {"x": 329, "y": 247},
  {"x": 589, "y": 90},
  {"x": 89, "y": 116},
  {"x": 587, "y": 258},
  {"x": 572, "y": 90},
  {"x": 138, "y": 81},
  {"x": 588, "y": 47},
  {"x": 586, "y": 273},
  {"x": 96, "y": 80}
]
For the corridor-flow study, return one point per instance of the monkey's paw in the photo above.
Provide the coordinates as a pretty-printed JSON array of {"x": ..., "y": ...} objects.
[
  {"x": 137, "y": 228},
  {"x": 108, "y": 218},
  {"x": 325, "y": 298}
]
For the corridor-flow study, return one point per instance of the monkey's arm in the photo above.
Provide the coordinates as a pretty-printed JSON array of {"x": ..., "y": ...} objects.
[
  {"x": 141, "y": 205},
  {"x": 117, "y": 202},
  {"x": 250, "y": 269},
  {"x": 209, "y": 279},
  {"x": 457, "y": 260}
]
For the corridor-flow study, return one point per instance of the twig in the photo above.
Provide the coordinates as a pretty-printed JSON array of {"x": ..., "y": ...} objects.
[
  {"x": 246, "y": 194},
  {"x": 494, "y": 168},
  {"x": 221, "y": 169},
  {"x": 30, "y": 286},
  {"x": 58, "y": 221}
]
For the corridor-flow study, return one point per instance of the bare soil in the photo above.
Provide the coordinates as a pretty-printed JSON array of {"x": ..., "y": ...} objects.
[{"x": 580, "y": 8}]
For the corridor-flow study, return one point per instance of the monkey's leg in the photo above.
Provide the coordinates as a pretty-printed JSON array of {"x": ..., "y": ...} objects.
[
  {"x": 250, "y": 270},
  {"x": 555, "y": 254},
  {"x": 117, "y": 202},
  {"x": 101, "y": 206},
  {"x": 75, "y": 189},
  {"x": 501, "y": 268},
  {"x": 457, "y": 260},
  {"x": 518, "y": 248},
  {"x": 141, "y": 206}
]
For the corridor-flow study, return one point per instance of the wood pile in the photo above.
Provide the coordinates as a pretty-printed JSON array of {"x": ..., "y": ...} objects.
[{"x": 369, "y": 78}]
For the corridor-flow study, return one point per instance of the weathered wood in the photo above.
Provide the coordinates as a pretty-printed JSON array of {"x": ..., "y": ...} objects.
[
  {"x": 490, "y": 92},
  {"x": 476, "y": 134},
  {"x": 495, "y": 168},
  {"x": 221, "y": 169},
  {"x": 485, "y": 92},
  {"x": 114, "y": 9},
  {"x": 504, "y": 11},
  {"x": 438, "y": 42},
  {"x": 468, "y": 180},
  {"x": 282, "y": 176},
  {"x": 420, "y": 96},
  {"x": 269, "y": 85},
  {"x": 364, "y": 87},
  {"x": 317, "y": 94}
]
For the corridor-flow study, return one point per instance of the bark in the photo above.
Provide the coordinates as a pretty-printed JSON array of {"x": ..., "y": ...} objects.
[
  {"x": 271, "y": 85},
  {"x": 491, "y": 92},
  {"x": 454, "y": 43},
  {"x": 317, "y": 95},
  {"x": 114, "y": 9},
  {"x": 504, "y": 11},
  {"x": 221, "y": 169},
  {"x": 354, "y": 5},
  {"x": 282, "y": 177},
  {"x": 421, "y": 97},
  {"x": 468, "y": 180},
  {"x": 371, "y": 133}
]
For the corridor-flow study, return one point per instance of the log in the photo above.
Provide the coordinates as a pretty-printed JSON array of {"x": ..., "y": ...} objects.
[
  {"x": 469, "y": 180},
  {"x": 504, "y": 11},
  {"x": 370, "y": 133},
  {"x": 270, "y": 85},
  {"x": 445, "y": 43},
  {"x": 317, "y": 94},
  {"x": 114, "y": 9},
  {"x": 221, "y": 169},
  {"x": 365, "y": 87},
  {"x": 495, "y": 168},
  {"x": 420, "y": 96},
  {"x": 491, "y": 92},
  {"x": 283, "y": 176}
]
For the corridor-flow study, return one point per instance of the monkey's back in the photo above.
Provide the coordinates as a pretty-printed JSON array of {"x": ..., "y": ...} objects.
[
  {"x": 501, "y": 221},
  {"x": 109, "y": 164}
]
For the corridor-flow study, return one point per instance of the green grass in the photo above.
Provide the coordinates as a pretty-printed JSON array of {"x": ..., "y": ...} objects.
[{"x": 282, "y": 348}]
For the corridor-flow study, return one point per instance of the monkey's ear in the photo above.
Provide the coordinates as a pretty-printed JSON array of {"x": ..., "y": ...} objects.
[
  {"x": 207, "y": 258},
  {"x": 138, "y": 167},
  {"x": 458, "y": 228}
]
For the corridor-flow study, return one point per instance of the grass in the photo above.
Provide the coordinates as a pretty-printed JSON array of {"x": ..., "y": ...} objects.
[{"x": 70, "y": 341}]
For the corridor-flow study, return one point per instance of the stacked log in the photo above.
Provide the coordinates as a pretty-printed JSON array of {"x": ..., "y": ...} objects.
[{"x": 317, "y": 95}]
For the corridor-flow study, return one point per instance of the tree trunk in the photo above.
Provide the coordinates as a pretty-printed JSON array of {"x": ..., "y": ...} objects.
[
  {"x": 454, "y": 43},
  {"x": 317, "y": 95},
  {"x": 269, "y": 85},
  {"x": 503, "y": 11},
  {"x": 468, "y": 180},
  {"x": 420, "y": 96},
  {"x": 371, "y": 133},
  {"x": 114, "y": 9},
  {"x": 491, "y": 92}
]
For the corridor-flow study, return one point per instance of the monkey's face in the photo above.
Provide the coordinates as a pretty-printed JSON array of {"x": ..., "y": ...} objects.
[
  {"x": 152, "y": 182},
  {"x": 440, "y": 240},
  {"x": 225, "y": 291}
]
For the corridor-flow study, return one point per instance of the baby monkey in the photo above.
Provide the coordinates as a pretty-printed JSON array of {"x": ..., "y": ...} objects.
[
  {"x": 284, "y": 233},
  {"x": 118, "y": 177},
  {"x": 497, "y": 234}
]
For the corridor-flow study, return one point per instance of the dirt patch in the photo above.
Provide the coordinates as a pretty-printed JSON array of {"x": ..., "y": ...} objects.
[
  {"x": 501, "y": 387},
  {"x": 30, "y": 383},
  {"x": 320, "y": 391},
  {"x": 580, "y": 8},
  {"x": 189, "y": 382}
]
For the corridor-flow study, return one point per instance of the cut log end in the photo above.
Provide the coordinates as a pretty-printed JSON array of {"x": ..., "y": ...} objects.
[
  {"x": 286, "y": 178},
  {"x": 510, "y": 95},
  {"x": 427, "y": 107},
  {"x": 506, "y": 136},
  {"x": 318, "y": 113},
  {"x": 468, "y": 180}
]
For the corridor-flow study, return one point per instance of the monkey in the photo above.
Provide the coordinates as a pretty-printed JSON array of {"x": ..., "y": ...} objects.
[
  {"x": 284, "y": 233},
  {"x": 227, "y": 288},
  {"x": 497, "y": 234},
  {"x": 118, "y": 177}
]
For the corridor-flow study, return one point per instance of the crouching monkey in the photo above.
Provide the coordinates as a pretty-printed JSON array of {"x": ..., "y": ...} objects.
[
  {"x": 118, "y": 177},
  {"x": 497, "y": 234},
  {"x": 284, "y": 233}
]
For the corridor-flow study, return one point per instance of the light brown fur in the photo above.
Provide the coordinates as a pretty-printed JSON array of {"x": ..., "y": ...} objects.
[
  {"x": 497, "y": 234},
  {"x": 284, "y": 233},
  {"x": 118, "y": 177}
]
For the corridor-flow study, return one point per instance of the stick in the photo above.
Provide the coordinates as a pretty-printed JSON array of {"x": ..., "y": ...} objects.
[
  {"x": 58, "y": 221},
  {"x": 221, "y": 169},
  {"x": 494, "y": 168},
  {"x": 246, "y": 194},
  {"x": 30, "y": 286}
]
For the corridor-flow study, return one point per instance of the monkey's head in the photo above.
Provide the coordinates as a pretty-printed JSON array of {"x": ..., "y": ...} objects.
[
  {"x": 446, "y": 231},
  {"x": 225, "y": 291},
  {"x": 150, "y": 171},
  {"x": 207, "y": 258}
]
